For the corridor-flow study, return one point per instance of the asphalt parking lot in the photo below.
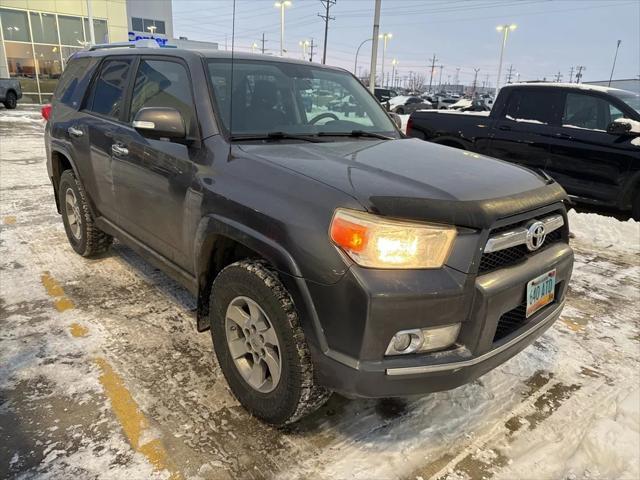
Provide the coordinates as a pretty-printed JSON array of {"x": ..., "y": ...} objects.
[{"x": 103, "y": 375}]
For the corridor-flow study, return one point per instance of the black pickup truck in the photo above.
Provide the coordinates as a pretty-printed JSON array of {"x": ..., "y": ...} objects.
[{"x": 585, "y": 137}]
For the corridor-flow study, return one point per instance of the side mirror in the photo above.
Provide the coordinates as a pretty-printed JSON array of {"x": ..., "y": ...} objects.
[
  {"x": 396, "y": 119},
  {"x": 160, "y": 122},
  {"x": 619, "y": 128}
]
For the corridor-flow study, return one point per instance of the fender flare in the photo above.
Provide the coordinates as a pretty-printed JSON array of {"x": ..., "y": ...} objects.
[{"x": 214, "y": 227}]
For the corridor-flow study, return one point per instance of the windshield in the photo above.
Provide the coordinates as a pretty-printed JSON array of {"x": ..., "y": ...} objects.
[
  {"x": 293, "y": 99},
  {"x": 630, "y": 98}
]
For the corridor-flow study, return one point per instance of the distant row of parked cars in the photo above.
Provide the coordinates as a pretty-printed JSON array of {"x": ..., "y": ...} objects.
[{"x": 412, "y": 102}]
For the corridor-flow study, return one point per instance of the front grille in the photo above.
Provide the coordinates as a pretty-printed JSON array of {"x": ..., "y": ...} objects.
[
  {"x": 511, "y": 256},
  {"x": 510, "y": 322}
]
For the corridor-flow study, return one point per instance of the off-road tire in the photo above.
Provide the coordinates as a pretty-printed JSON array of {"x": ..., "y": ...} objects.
[
  {"x": 92, "y": 241},
  {"x": 10, "y": 101},
  {"x": 297, "y": 394},
  {"x": 635, "y": 207}
]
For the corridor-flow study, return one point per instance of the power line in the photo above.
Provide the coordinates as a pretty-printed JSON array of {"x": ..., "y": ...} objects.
[{"x": 326, "y": 17}]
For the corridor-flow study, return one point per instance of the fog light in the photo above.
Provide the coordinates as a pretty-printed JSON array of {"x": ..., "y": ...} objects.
[{"x": 423, "y": 340}]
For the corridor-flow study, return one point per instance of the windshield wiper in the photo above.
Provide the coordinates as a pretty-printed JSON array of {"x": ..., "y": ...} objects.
[
  {"x": 356, "y": 133},
  {"x": 276, "y": 136}
]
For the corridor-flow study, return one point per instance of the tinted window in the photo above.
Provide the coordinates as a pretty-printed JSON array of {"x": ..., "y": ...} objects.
[
  {"x": 588, "y": 111},
  {"x": 44, "y": 28},
  {"x": 71, "y": 31},
  {"x": 108, "y": 90},
  {"x": 163, "y": 84},
  {"x": 74, "y": 80},
  {"x": 532, "y": 106},
  {"x": 15, "y": 26}
]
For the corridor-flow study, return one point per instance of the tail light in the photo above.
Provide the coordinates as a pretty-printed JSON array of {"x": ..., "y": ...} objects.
[
  {"x": 46, "y": 111},
  {"x": 409, "y": 125}
]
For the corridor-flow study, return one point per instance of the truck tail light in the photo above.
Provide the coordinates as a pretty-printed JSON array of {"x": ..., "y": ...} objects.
[
  {"x": 46, "y": 111},
  {"x": 409, "y": 126}
]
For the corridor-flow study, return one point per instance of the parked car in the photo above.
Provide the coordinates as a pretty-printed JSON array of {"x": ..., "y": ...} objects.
[
  {"x": 346, "y": 105},
  {"x": 574, "y": 133},
  {"x": 325, "y": 254},
  {"x": 384, "y": 94},
  {"x": 10, "y": 92},
  {"x": 445, "y": 103},
  {"x": 404, "y": 105}
]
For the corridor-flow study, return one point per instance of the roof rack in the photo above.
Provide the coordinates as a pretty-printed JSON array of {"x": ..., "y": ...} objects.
[{"x": 142, "y": 43}]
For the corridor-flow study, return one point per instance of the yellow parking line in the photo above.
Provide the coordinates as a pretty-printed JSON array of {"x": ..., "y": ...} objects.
[
  {"x": 132, "y": 420},
  {"x": 53, "y": 288}
]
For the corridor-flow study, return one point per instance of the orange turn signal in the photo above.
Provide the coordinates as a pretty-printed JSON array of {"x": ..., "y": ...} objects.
[{"x": 348, "y": 235}]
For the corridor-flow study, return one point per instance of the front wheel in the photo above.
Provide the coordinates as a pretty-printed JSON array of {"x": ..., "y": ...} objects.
[
  {"x": 11, "y": 101},
  {"x": 260, "y": 345}
]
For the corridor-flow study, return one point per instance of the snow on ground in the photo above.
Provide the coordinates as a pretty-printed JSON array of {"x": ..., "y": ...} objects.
[{"x": 566, "y": 407}]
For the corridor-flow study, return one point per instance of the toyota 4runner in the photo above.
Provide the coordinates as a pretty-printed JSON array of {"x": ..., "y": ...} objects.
[{"x": 327, "y": 251}]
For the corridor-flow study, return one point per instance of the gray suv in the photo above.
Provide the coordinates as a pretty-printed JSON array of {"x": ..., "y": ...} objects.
[{"x": 327, "y": 252}]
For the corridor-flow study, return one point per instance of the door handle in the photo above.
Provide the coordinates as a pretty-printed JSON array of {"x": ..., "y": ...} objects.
[
  {"x": 119, "y": 150},
  {"x": 75, "y": 132},
  {"x": 504, "y": 128}
]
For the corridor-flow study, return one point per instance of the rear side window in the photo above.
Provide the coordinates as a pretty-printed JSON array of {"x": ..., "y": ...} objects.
[
  {"x": 74, "y": 81},
  {"x": 532, "y": 106},
  {"x": 162, "y": 83},
  {"x": 108, "y": 90}
]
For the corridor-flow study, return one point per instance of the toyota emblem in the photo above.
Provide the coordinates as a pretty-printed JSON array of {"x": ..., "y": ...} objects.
[{"x": 535, "y": 235}]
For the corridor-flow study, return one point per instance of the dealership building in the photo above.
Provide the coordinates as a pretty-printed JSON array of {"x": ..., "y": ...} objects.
[{"x": 38, "y": 36}]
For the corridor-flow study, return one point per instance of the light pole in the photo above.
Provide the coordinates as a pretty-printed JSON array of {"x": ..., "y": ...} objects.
[
  {"x": 614, "y": 61},
  {"x": 355, "y": 66},
  {"x": 394, "y": 62},
  {"x": 374, "y": 46},
  {"x": 254, "y": 45},
  {"x": 385, "y": 37},
  {"x": 282, "y": 4},
  {"x": 304, "y": 44},
  {"x": 505, "y": 29}
]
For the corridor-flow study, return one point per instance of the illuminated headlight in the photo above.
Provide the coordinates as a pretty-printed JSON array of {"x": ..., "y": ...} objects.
[
  {"x": 378, "y": 242},
  {"x": 420, "y": 340}
]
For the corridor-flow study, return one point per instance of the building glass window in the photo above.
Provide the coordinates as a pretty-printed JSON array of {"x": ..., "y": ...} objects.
[
  {"x": 48, "y": 66},
  {"x": 71, "y": 32},
  {"x": 44, "y": 28},
  {"x": 67, "y": 52},
  {"x": 99, "y": 31},
  {"x": 15, "y": 26},
  {"x": 136, "y": 24},
  {"x": 153, "y": 26},
  {"x": 21, "y": 65}
]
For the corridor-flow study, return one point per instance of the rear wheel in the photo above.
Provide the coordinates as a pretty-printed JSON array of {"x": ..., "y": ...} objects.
[
  {"x": 84, "y": 236},
  {"x": 11, "y": 100},
  {"x": 400, "y": 111},
  {"x": 260, "y": 345}
]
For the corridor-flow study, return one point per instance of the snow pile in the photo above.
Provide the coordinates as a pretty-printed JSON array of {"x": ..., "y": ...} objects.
[{"x": 605, "y": 232}]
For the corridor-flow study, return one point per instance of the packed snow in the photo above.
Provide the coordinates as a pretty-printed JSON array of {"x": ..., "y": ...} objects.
[{"x": 566, "y": 407}]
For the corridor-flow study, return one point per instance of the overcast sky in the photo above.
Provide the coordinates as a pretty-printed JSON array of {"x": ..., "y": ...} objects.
[{"x": 552, "y": 35}]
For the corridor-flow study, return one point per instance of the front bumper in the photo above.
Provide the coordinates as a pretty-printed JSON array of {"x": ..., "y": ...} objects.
[{"x": 355, "y": 364}]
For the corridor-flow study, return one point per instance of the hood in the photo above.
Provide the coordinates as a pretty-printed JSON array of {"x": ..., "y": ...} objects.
[{"x": 411, "y": 178}]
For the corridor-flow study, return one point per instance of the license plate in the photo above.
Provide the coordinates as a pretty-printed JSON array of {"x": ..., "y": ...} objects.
[{"x": 540, "y": 292}]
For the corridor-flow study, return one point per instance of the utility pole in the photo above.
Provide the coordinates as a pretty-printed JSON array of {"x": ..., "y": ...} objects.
[
  {"x": 571, "y": 75},
  {"x": 263, "y": 41},
  {"x": 614, "y": 61},
  {"x": 486, "y": 81},
  {"x": 311, "y": 48},
  {"x": 475, "y": 82},
  {"x": 579, "y": 74},
  {"x": 558, "y": 76},
  {"x": 374, "y": 46},
  {"x": 433, "y": 65},
  {"x": 440, "y": 78},
  {"x": 510, "y": 73},
  {"x": 327, "y": 5},
  {"x": 457, "y": 80}
]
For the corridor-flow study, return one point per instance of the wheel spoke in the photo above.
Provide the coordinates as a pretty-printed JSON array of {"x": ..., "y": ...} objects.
[
  {"x": 71, "y": 217},
  {"x": 273, "y": 364},
  {"x": 238, "y": 347},
  {"x": 237, "y": 315},
  {"x": 254, "y": 310},
  {"x": 270, "y": 337},
  {"x": 257, "y": 377}
]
